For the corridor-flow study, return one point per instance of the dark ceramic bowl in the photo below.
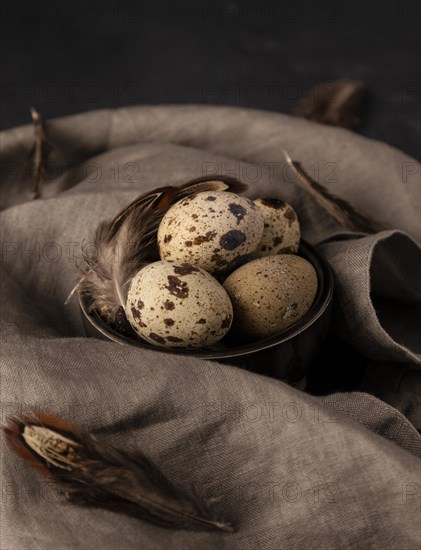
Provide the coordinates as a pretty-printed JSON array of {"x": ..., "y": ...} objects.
[{"x": 286, "y": 355}]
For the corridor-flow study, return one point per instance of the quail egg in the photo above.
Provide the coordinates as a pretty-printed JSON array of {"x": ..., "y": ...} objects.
[
  {"x": 216, "y": 231},
  {"x": 178, "y": 305},
  {"x": 269, "y": 294},
  {"x": 281, "y": 232}
]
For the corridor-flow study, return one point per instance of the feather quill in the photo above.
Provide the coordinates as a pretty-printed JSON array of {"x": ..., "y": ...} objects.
[
  {"x": 93, "y": 474},
  {"x": 127, "y": 242},
  {"x": 340, "y": 209}
]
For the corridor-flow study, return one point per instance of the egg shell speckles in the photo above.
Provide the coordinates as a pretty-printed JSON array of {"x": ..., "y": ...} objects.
[
  {"x": 270, "y": 294},
  {"x": 281, "y": 232},
  {"x": 178, "y": 305},
  {"x": 216, "y": 231}
]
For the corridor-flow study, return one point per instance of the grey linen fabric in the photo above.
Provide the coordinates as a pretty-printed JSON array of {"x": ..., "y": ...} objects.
[{"x": 289, "y": 470}]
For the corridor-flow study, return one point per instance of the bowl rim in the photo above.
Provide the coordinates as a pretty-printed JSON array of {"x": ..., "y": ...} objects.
[{"x": 320, "y": 304}]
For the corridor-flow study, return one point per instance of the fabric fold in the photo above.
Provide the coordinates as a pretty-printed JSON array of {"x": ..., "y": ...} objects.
[
  {"x": 281, "y": 465},
  {"x": 377, "y": 298}
]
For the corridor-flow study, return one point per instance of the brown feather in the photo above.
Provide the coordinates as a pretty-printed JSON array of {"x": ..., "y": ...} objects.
[
  {"x": 340, "y": 209},
  {"x": 93, "y": 474},
  {"x": 337, "y": 103},
  {"x": 39, "y": 153}
]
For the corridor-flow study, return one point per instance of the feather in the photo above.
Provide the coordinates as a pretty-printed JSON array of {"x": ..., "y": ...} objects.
[
  {"x": 337, "y": 103},
  {"x": 126, "y": 243},
  {"x": 39, "y": 153},
  {"x": 341, "y": 210},
  {"x": 93, "y": 474}
]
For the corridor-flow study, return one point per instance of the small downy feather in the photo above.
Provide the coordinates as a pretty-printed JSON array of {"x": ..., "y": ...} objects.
[
  {"x": 337, "y": 103},
  {"x": 126, "y": 243},
  {"x": 340, "y": 209},
  {"x": 91, "y": 473}
]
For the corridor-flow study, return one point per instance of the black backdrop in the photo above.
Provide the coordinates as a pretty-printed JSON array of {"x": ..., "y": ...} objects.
[{"x": 66, "y": 56}]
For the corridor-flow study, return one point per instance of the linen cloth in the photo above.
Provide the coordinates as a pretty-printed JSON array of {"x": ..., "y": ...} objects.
[{"x": 288, "y": 469}]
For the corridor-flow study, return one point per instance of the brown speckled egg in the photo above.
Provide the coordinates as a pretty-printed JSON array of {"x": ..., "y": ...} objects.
[
  {"x": 178, "y": 305},
  {"x": 216, "y": 231},
  {"x": 270, "y": 294},
  {"x": 281, "y": 232}
]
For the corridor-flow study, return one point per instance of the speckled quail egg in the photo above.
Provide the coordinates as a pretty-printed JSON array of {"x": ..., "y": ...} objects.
[
  {"x": 269, "y": 294},
  {"x": 281, "y": 232},
  {"x": 216, "y": 231},
  {"x": 173, "y": 304}
]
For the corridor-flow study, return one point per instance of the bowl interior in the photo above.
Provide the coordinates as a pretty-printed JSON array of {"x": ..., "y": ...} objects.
[{"x": 226, "y": 349}]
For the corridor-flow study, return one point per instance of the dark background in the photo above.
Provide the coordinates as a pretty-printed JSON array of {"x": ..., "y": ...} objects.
[{"x": 66, "y": 56}]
